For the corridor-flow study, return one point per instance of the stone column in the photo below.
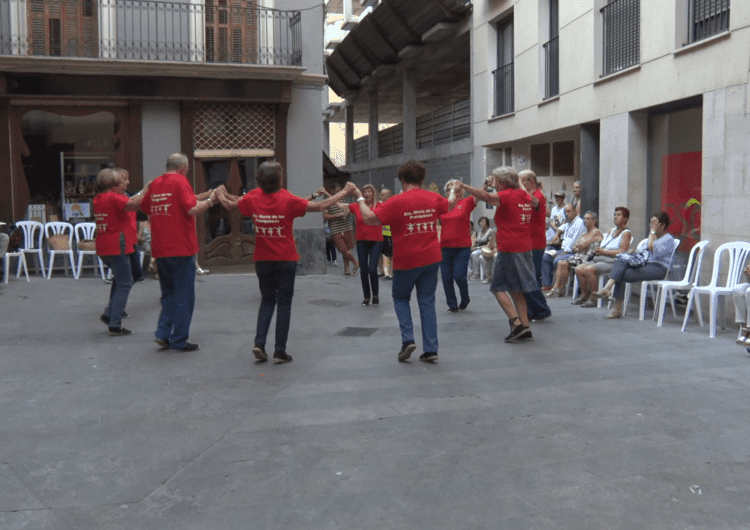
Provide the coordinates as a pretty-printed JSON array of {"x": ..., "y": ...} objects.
[
  {"x": 373, "y": 130},
  {"x": 349, "y": 117},
  {"x": 409, "y": 113},
  {"x": 623, "y": 168}
]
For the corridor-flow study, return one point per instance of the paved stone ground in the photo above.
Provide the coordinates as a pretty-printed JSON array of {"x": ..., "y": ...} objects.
[{"x": 596, "y": 424}]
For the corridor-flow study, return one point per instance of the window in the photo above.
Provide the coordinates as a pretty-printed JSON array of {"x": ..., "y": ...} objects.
[
  {"x": 231, "y": 31},
  {"x": 622, "y": 35},
  {"x": 552, "y": 54},
  {"x": 540, "y": 160},
  {"x": 556, "y": 159},
  {"x": 504, "y": 80},
  {"x": 63, "y": 28},
  {"x": 707, "y": 18}
]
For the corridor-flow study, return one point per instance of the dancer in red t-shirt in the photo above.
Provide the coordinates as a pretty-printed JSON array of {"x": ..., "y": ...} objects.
[
  {"x": 273, "y": 210},
  {"x": 115, "y": 241},
  {"x": 413, "y": 216},
  {"x": 455, "y": 243},
  {"x": 513, "y": 270},
  {"x": 369, "y": 244},
  {"x": 536, "y": 302}
]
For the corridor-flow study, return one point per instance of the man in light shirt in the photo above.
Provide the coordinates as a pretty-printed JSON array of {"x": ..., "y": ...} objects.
[{"x": 567, "y": 234}]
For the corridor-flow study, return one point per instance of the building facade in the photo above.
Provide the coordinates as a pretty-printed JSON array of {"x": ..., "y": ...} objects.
[
  {"x": 231, "y": 83},
  {"x": 645, "y": 102}
]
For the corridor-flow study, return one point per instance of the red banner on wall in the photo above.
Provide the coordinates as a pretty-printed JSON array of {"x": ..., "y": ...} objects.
[{"x": 681, "y": 196}]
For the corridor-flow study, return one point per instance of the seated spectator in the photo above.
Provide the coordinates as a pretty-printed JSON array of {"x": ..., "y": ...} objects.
[
  {"x": 557, "y": 212},
  {"x": 659, "y": 244},
  {"x": 614, "y": 243},
  {"x": 485, "y": 235},
  {"x": 487, "y": 259},
  {"x": 741, "y": 297},
  {"x": 566, "y": 236},
  {"x": 583, "y": 249}
]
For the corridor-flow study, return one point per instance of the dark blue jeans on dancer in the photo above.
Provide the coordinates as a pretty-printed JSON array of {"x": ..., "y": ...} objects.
[
  {"x": 136, "y": 266},
  {"x": 276, "y": 281},
  {"x": 177, "y": 282},
  {"x": 122, "y": 281},
  {"x": 536, "y": 302},
  {"x": 454, "y": 268},
  {"x": 425, "y": 281},
  {"x": 368, "y": 253}
]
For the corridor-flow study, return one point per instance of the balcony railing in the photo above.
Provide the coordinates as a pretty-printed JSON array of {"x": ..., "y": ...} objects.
[
  {"x": 622, "y": 35},
  {"x": 707, "y": 18},
  {"x": 504, "y": 90},
  {"x": 551, "y": 69},
  {"x": 192, "y": 31}
]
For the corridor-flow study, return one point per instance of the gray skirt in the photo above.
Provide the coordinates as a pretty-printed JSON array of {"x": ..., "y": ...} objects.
[{"x": 514, "y": 272}]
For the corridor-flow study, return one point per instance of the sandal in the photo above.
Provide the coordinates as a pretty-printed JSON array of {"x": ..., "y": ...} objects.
[
  {"x": 614, "y": 314},
  {"x": 588, "y": 303}
]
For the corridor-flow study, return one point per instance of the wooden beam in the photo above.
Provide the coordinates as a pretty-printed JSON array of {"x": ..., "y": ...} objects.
[
  {"x": 382, "y": 34},
  {"x": 364, "y": 50},
  {"x": 453, "y": 15},
  {"x": 416, "y": 36}
]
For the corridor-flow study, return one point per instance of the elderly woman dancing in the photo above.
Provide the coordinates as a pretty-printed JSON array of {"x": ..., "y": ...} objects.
[
  {"x": 455, "y": 243},
  {"x": 660, "y": 246}
]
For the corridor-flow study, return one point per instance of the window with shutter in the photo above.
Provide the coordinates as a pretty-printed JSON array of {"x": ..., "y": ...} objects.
[
  {"x": 230, "y": 31},
  {"x": 63, "y": 28}
]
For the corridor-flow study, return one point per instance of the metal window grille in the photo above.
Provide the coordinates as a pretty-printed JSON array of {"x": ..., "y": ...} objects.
[
  {"x": 211, "y": 31},
  {"x": 707, "y": 18},
  {"x": 229, "y": 126},
  {"x": 504, "y": 93},
  {"x": 622, "y": 35},
  {"x": 551, "y": 68}
]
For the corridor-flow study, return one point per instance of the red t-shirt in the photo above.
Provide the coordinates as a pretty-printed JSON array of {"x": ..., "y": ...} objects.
[
  {"x": 413, "y": 217},
  {"x": 539, "y": 222},
  {"x": 111, "y": 221},
  {"x": 454, "y": 225},
  {"x": 513, "y": 221},
  {"x": 273, "y": 216},
  {"x": 167, "y": 202},
  {"x": 366, "y": 232}
]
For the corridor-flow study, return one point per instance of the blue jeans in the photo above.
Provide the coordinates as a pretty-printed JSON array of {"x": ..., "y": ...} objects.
[
  {"x": 276, "y": 281},
  {"x": 425, "y": 280},
  {"x": 623, "y": 273},
  {"x": 122, "y": 281},
  {"x": 136, "y": 266},
  {"x": 454, "y": 268},
  {"x": 536, "y": 302},
  {"x": 549, "y": 266},
  {"x": 177, "y": 282},
  {"x": 368, "y": 253}
]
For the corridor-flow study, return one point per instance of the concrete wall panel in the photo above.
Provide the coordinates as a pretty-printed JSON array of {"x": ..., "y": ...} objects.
[{"x": 160, "y": 126}]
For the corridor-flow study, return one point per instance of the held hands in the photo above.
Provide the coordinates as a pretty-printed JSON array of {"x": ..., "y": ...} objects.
[{"x": 350, "y": 189}]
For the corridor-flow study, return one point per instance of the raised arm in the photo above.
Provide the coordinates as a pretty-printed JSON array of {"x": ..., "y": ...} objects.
[
  {"x": 134, "y": 202},
  {"x": 368, "y": 216},
  {"x": 203, "y": 205},
  {"x": 483, "y": 195},
  {"x": 330, "y": 201}
]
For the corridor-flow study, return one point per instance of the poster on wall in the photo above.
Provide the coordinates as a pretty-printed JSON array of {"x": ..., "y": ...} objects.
[{"x": 681, "y": 196}]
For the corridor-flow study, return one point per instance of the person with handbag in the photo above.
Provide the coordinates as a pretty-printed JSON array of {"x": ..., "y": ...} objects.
[
  {"x": 583, "y": 250},
  {"x": 616, "y": 242},
  {"x": 648, "y": 263},
  {"x": 481, "y": 246}
]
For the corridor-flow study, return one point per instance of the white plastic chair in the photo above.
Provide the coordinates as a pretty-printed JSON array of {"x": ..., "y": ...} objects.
[
  {"x": 33, "y": 233},
  {"x": 87, "y": 231},
  {"x": 738, "y": 252},
  {"x": 21, "y": 262},
  {"x": 654, "y": 285},
  {"x": 57, "y": 228},
  {"x": 691, "y": 279}
]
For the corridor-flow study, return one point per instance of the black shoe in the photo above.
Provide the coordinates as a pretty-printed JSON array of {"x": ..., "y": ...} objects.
[
  {"x": 453, "y": 310},
  {"x": 375, "y": 301},
  {"x": 527, "y": 336},
  {"x": 365, "y": 302},
  {"x": 429, "y": 357},
  {"x": 282, "y": 357},
  {"x": 119, "y": 331},
  {"x": 464, "y": 305},
  {"x": 125, "y": 314},
  {"x": 260, "y": 353},
  {"x": 163, "y": 343},
  {"x": 406, "y": 351},
  {"x": 518, "y": 332},
  {"x": 189, "y": 346},
  {"x": 104, "y": 319}
]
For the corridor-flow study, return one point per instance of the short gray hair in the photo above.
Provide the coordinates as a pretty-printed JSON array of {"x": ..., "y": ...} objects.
[
  {"x": 592, "y": 214},
  {"x": 528, "y": 174},
  {"x": 177, "y": 161},
  {"x": 506, "y": 175},
  {"x": 107, "y": 178},
  {"x": 450, "y": 183}
]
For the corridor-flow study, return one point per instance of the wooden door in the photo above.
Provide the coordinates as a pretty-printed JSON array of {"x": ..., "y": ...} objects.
[{"x": 227, "y": 239}]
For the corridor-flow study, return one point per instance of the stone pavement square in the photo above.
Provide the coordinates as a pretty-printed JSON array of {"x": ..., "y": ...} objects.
[{"x": 595, "y": 424}]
